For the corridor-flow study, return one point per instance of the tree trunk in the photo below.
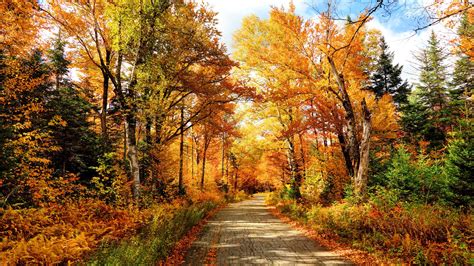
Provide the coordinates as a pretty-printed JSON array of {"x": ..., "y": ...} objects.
[
  {"x": 148, "y": 131},
  {"x": 132, "y": 154},
  {"x": 345, "y": 153},
  {"x": 203, "y": 167},
  {"x": 294, "y": 168},
  {"x": 351, "y": 126},
  {"x": 192, "y": 158},
  {"x": 105, "y": 98},
  {"x": 236, "y": 179},
  {"x": 198, "y": 160},
  {"x": 181, "y": 154},
  {"x": 227, "y": 170},
  {"x": 223, "y": 156},
  {"x": 361, "y": 177},
  {"x": 303, "y": 161}
]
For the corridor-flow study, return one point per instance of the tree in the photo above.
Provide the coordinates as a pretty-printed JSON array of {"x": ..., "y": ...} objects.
[
  {"x": 79, "y": 145},
  {"x": 25, "y": 138},
  {"x": 462, "y": 84},
  {"x": 459, "y": 164},
  {"x": 322, "y": 59},
  {"x": 432, "y": 90},
  {"x": 387, "y": 77},
  {"x": 87, "y": 23}
]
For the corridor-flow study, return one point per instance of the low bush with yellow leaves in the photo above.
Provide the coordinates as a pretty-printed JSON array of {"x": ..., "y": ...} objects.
[
  {"x": 63, "y": 233},
  {"x": 74, "y": 231}
]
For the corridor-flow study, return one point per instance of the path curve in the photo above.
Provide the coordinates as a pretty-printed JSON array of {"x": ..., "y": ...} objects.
[{"x": 247, "y": 233}]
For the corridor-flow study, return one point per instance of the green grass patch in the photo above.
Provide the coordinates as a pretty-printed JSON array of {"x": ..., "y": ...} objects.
[{"x": 156, "y": 240}]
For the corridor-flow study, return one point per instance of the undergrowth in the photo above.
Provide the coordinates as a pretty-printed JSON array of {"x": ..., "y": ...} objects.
[
  {"x": 155, "y": 241},
  {"x": 89, "y": 228},
  {"x": 404, "y": 232}
]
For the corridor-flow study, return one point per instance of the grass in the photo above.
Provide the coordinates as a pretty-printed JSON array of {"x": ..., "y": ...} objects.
[{"x": 155, "y": 240}]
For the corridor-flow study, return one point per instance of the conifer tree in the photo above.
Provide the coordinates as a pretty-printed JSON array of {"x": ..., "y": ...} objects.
[
  {"x": 387, "y": 77},
  {"x": 460, "y": 166},
  {"x": 432, "y": 93},
  {"x": 433, "y": 83},
  {"x": 80, "y": 146},
  {"x": 462, "y": 83}
]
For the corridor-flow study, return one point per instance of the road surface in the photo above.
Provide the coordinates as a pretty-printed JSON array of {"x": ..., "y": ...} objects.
[{"x": 247, "y": 233}]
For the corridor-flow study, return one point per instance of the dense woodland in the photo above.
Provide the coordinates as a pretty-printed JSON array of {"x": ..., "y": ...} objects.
[{"x": 115, "y": 115}]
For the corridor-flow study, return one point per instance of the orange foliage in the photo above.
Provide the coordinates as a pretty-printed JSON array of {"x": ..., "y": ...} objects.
[{"x": 63, "y": 233}]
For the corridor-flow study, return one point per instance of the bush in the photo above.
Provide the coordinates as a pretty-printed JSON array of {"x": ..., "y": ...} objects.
[
  {"x": 406, "y": 232},
  {"x": 459, "y": 167},
  {"x": 420, "y": 180},
  {"x": 63, "y": 233}
]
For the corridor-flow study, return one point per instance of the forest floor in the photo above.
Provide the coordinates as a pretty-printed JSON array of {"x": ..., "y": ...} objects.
[{"x": 247, "y": 233}]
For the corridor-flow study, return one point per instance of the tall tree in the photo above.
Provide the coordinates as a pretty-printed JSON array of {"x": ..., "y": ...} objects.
[
  {"x": 87, "y": 22},
  {"x": 432, "y": 90},
  {"x": 25, "y": 138},
  {"x": 462, "y": 84},
  {"x": 79, "y": 144},
  {"x": 386, "y": 78}
]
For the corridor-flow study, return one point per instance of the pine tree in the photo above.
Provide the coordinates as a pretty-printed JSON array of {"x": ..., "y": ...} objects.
[
  {"x": 433, "y": 83},
  {"x": 387, "y": 77},
  {"x": 432, "y": 89},
  {"x": 460, "y": 166},
  {"x": 462, "y": 84},
  {"x": 414, "y": 118},
  {"x": 80, "y": 147}
]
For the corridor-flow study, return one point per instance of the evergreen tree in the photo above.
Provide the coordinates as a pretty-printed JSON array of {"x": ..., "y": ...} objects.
[
  {"x": 459, "y": 167},
  {"x": 433, "y": 96},
  {"x": 414, "y": 118},
  {"x": 433, "y": 83},
  {"x": 80, "y": 146},
  {"x": 462, "y": 84},
  {"x": 387, "y": 77}
]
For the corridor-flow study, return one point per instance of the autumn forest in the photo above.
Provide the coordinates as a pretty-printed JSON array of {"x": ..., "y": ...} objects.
[{"x": 126, "y": 124}]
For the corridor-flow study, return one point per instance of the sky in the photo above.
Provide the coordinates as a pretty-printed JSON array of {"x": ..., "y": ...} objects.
[{"x": 397, "y": 28}]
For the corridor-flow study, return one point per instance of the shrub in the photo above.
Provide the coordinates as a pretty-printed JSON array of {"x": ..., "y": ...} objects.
[
  {"x": 420, "y": 180},
  {"x": 459, "y": 166},
  {"x": 405, "y": 232}
]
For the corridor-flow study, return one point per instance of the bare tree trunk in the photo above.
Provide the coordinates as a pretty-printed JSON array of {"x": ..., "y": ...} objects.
[
  {"x": 361, "y": 177},
  {"x": 198, "y": 159},
  {"x": 351, "y": 125},
  {"x": 125, "y": 148},
  {"x": 148, "y": 131},
  {"x": 227, "y": 169},
  {"x": 303, "y": 160},
  {"x": 192, "y": 158},
  {"x": 181, "y": 154},
  {"x": 105, "y": 97},
  {"x": 352, "y": 142},
  {"x": 236, "y": 179},
  {"x": 132, "y": 154},
  {"x": 345, "y": 153},
  {"x": 203, "y": 166},
  {"x": 223, "y": 156}
]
